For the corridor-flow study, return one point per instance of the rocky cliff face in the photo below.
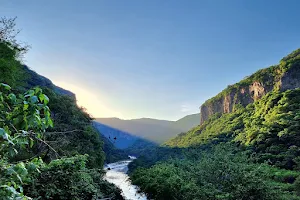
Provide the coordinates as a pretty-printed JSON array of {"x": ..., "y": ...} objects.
[{"x": 283, "y": 76}]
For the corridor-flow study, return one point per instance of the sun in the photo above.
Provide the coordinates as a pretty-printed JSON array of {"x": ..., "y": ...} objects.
[{"x": 89, "y": 100}]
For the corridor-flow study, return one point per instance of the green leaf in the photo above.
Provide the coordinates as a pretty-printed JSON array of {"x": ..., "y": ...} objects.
[
  {"x": 33, "y": 99},
  {"x": 29, "y": 93},
  {"x": 25, "y": 107},
  {"x": 50, "y": 123},
  {"x": 5, "y": 136},
  {"x": 2, "y": 132},
  {"x": 44, "y": 98},
  {"x": 12, "y": 97},
  {"x": 31, "y": 142},
  {"x": 10, "y": 189},
  {"x": 1, "y": 96},
  {"x": 37, "y": 90},
  {"x": 7, "y": 87}
]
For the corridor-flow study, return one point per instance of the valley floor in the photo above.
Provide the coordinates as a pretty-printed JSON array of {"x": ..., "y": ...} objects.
[{"x": 116, "y": 173}]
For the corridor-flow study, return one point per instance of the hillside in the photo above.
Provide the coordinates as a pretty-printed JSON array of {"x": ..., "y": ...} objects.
[
  {"x": 112, "y": 154},
  {"x": 280, "y": 77},
  {"x": 118, "y": 138},
  {"x": 187, "y": 122},
  {"x": 247, "y": 146},
  {"x": 46, "y": 139},
  {"x": 35, "y": 79},
  {"x": 57, "y": 93},
  {"x": 275, "y": 93},
  {"x": 158, "y": 131}
]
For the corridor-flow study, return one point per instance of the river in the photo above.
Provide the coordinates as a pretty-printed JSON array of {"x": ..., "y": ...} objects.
[{"x": 116, "y": 173}]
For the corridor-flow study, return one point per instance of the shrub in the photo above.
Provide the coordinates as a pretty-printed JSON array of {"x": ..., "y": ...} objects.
[{"x": 69, "y": 178}]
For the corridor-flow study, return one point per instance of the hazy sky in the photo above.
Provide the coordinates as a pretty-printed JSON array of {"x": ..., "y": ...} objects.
[{"x": 147, "y": 58}]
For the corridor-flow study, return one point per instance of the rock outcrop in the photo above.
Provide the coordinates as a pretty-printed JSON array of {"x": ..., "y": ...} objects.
[{"x": 283, "y": 76}]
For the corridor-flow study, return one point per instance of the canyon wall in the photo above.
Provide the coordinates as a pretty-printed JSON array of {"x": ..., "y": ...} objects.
[{"x": 284, "y": 76}]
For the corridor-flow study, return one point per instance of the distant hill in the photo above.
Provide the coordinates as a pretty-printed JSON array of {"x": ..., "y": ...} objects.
[
  {"x": 158, "y": 131},
  {"x": 34, "y": 79},
  {"x": 261, "y": 110},
  {"x": 187, "y": 122},
  {"x": 257, "y": 118},
  {"x": 120, "y": 139}
]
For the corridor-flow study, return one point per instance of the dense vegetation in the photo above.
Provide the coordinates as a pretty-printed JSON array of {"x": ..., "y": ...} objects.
[
  {"x": 112, "y": 154},
  {"x": 70, "y": 178},
  {"x": 269, "y": 127},
  {"x": 48, "y": 146},
  {"x": 220, "y": 173},
  {"x": 251, "y": 153},
  {"x": 269, "y": 76}
]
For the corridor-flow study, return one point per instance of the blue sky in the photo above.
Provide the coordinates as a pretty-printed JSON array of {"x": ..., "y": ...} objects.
[{"x": 158, "y": 59}]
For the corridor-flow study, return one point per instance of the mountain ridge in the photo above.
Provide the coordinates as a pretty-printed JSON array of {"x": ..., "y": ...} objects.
[
  {"x": 225, "y": 116},
  {"x": 248, "y": 132},
  {"x": 154, "y": 130},
  {"x": 282, "y": 76},
  {"x": 36, "y": 79}
]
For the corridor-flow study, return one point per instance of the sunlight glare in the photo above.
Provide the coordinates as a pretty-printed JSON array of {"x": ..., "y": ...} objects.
[{"x": 90, "y": 101}]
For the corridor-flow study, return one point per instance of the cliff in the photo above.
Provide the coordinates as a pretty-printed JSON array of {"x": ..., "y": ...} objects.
[{"x": 284, "y": 76}]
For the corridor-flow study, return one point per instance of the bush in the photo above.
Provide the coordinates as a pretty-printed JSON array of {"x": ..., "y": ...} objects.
[
  {"x": 219, "y": 174},
  {"x": 69, "y": 178}
]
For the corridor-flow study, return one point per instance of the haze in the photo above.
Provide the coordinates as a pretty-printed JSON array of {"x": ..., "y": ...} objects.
[{"x": 159, "y": 59}]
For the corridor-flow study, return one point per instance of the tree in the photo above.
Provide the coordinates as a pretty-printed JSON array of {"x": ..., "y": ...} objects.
[
  {"x": 23, "y": 119},
  {"x": 8, "y": 34}
]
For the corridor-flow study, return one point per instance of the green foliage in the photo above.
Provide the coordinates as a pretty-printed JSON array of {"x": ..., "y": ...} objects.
[
  {"x": 69, "y": 178},
  {"x": 23, "y": 119},
  {"x": 6, "y": 53},
  {"x": 269, "y": 128},
  {"x": 28, "y": 140},
  {"x": 290, "y": 60},
  {"x": 269, "y": 77},
  {"x": 297, "y": 186},
  {"x": 8, "y": 34},
  {"x": 153, "y": 154},
  {"x": 73, "y": 132},
  {"x": 11, "y": 70},
  {"x": 112, "y": 154},
  {"x": 220, "y": 174},
  {"x": 218, "y": 128},
  {"x": 272, "y": 128}
]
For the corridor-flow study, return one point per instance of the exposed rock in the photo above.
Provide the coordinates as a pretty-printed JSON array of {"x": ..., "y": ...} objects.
[
  {"x": 291, "y": 79},
  {"x": 282, "y": 77},
  {"x": 256, "y": 90}
]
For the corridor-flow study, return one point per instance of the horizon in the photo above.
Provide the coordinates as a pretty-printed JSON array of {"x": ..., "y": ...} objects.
[
  {"x": 147, "y": 118},
  {"x": 158, "y": 60}
]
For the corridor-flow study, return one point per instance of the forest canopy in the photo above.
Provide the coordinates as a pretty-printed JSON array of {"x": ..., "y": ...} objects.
[{"x": 44, "y": 135}]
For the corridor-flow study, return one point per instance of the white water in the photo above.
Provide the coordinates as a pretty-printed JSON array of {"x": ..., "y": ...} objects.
[{"x": 117, "y": 175}]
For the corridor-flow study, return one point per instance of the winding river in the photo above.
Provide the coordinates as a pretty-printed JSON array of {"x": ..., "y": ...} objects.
[{"x": 116, "y": 173}]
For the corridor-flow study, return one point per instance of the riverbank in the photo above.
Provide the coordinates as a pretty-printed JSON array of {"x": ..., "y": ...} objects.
[{"x": 116, "y": 173}]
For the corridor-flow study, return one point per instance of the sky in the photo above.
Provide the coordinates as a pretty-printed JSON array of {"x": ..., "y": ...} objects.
[{"x": 152, "y": 58}]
